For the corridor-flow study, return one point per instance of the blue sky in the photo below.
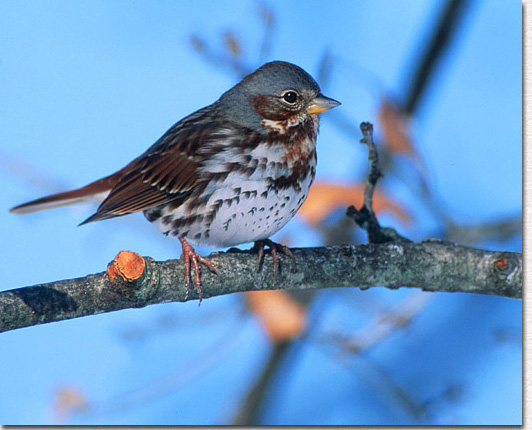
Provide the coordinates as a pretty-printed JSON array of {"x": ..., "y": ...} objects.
[{"x": 86, "y": 86}]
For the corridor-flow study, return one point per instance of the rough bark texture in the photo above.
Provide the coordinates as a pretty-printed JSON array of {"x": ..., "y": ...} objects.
[{"x": 431, "y": 266}]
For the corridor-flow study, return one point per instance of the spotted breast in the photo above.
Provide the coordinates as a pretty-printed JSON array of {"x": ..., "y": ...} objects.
[{"x": 251, "y": 189}]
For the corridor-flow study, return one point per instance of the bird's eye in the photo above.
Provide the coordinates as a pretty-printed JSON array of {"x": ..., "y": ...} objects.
[{"x": 290, "y": 97}]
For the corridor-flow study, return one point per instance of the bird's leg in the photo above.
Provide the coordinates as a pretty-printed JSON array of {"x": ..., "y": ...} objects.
[
  {"x": 274, "y": 247},
  {"x": 192, "y": 258}
]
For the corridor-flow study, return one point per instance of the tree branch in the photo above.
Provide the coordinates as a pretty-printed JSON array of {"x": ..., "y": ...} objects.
[{"x": 139, "y": 282}]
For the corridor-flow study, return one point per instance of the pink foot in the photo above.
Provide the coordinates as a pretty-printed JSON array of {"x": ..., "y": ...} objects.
[
  {"x": 193, "y": 259},
  {"x": 274, "y": 247}
]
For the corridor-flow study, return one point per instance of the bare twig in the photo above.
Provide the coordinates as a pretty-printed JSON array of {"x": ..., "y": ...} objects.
[
  {"x": 384, "y": 326},
  {"x": 373, "y": 156},
  {"x": 365, "y": 217}
]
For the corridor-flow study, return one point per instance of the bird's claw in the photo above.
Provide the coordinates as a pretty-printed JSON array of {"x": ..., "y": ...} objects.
[
  {"x": 193, "y": 259},
  {"x": 274, "y": 247}
]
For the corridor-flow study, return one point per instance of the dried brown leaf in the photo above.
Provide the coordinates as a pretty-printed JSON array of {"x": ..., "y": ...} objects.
[
  {"x": 281, "y": 316},
  {"x": 69, "y": 400},
  {"x": 394, "y": 125},
  {"x": 325, "y": 197}
]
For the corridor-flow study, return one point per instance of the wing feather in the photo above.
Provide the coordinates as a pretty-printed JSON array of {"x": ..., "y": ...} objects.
[{"x": 167, "y": 171}]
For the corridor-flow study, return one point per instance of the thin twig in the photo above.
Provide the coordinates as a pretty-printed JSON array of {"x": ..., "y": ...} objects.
[
  {"x": 374, "y": 170},
  {"x": 365, "y": 217}
]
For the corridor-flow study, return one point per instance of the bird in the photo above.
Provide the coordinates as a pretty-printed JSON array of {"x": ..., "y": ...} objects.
[{"x": 233, "y": 172}]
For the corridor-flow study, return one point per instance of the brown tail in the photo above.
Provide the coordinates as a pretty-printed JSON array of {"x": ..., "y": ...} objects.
[{"x": 85, "y": 194}]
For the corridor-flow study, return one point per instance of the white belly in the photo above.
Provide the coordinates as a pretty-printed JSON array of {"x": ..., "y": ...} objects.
[
  {"x": 255, "y": 217},
  {"x": 255, "y": 213}
]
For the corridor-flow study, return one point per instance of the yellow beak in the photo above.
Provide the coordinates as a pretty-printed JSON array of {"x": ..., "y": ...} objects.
[{"x": 321, "y": 104}]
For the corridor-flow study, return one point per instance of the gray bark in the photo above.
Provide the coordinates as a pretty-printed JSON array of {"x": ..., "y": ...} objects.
[{"x": 431, "y": 266}]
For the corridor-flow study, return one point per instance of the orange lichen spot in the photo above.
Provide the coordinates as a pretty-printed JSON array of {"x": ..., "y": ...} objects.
[
  {"x": 281, "y": 316},
  {"x": 501, "y": 263},
  {"x": 128, "y": 265}
]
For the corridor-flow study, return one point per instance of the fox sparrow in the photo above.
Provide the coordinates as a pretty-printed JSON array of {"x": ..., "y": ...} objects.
[{"x": 233, "y": 172}]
